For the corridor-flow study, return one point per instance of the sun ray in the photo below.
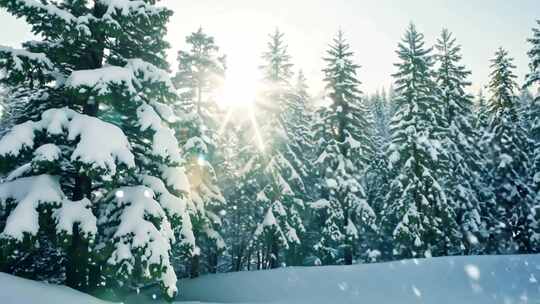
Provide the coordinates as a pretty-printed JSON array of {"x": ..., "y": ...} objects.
[{"x": 258, "y": 137}]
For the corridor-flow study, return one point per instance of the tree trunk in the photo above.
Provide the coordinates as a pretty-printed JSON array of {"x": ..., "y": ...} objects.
[
  {"x": 213, "y": 259},
  {"x": 78, "y": 273},
  {"x": 348, "y": 255},
  {"x": 195, "y": 266},
  {"x": 240, "y": 257},
  {"x": 76, "y": 262},
  {"x": 77, "y": 253},
  {"x": 274, "y": 253},
  {"x": 259, "y": 260}
]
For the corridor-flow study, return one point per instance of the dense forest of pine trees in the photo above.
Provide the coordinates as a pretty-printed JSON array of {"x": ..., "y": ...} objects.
[{"x": 116, "y": 175}]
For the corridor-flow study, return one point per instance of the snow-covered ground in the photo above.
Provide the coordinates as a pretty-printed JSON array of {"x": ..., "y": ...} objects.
[
  {"x": 14, "y": 290},
  {"x": 456, "y": 280}
]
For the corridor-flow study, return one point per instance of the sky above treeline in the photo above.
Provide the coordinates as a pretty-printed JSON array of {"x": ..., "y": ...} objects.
[{"x": 373, "y": 28}]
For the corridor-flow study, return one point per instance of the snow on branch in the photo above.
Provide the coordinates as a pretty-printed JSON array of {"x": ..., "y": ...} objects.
[
  {"x": 165, "y": 111},
  {"x": 174, "y": 206},
  {"x": 43, "y": 13},
  {"x": 28, "y": 193},
  {"x": 134, "y": 76},
  {"x": 143, "y": 231},
  {"x": 176, "y": 178},
  {"x": 270, "y": 226},
  {"x": 171, "y": 203},
  {"x": 99, "y": 145},
  {"x": 320, "y": 204},
  {"x": 47, "y": 153},
  {"x": 214, "y": 235},
  {"x": 149, "y": 73},
  {"x": 15, "y": 59},
  {"x": 18, "y": 65},
  {"x": 164, "y": 143},
  {"x": 76, "y": 212},
  {"x": 123, "y": 8},
  {"x": 19, "y": 138},
  {"x": 100, "y": 80},
  {"x": 126, "y": 7}
]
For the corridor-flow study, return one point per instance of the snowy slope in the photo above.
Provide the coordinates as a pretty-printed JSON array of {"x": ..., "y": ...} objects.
[
  {"x": 463, "y": 280},
  {"x": 14, "y": 290},
  {"x": 456, "y": 280}
]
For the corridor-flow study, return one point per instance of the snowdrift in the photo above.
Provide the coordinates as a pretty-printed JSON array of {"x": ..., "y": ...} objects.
[
  {"x": 455, "y": 280},
  {"x": 14, "y": 290}
]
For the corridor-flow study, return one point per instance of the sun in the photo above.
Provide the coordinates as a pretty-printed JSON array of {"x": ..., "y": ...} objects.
[
  {"x": 240, "y": 85},
  {"x": 239, "y": 93}
]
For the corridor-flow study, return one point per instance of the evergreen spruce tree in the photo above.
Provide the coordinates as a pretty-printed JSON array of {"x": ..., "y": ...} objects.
[
  {"x": 417, "y": 217},
  {"x": 511, "y": 225},
  {"x": 463, "y": 182},
  {"x": 278, "y": 110},
  {"x": 533, "y": 77},
  {"x": 301, "y": 90},
  {"x": 380, "y": 108},
  {"x": 377, "y": 174},
  {"x": 481, "y": 122},
  {"x": 277, "y": 66},
  {"x": 391, "y": 97},
  {"x": 93, "y": 172},
  {"x": 344, "y": 149},
  {"x": 200, "y": 71},
  {"x": 247, "y": 202},
  {"x": 3, "y": 110},
  {"x": 300, "y": 124},
  {"x": 526, "y": 108},
  {"x": 533, "y": 118},
  {"x": 485, "y": 191},
  {"x": 298, "y": 120}
]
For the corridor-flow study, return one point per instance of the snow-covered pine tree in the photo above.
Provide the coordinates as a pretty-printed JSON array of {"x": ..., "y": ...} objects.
[
  {"x": 301, "y": 90},
  {"x": 511, "y": 225},
  {"x": 344, "y": 148},
  {"x": 486, "y": 193},
  {"x": 379, "y": 106},
  {"x": 276, "y": 111},
  {"x": 526, "y": 108},
  {"x": 533, "y": 77},
  {"x": 533, "y": 118},
  {"x": 300, "y": 125},
  {"x": 200, "y": 71},
  {"x": 390, "y": 97},
  {"x": 481, "y": 122},
  {"x": 376, "y": 179},
  {"x": 269, "y": 239},
  {"x": 92, "y": 165},
  {"x": 246, "y": 201},
  {"x": 298, "y": 120},
  {"x": 463, "y": 182},
  {"x": 277, "y": 66},
  {"x": 44, "y": 263},
  {"x": 254, "y": 224},
  {"x": 416, "y": 216},
  {"x": 3, "y": 109}
]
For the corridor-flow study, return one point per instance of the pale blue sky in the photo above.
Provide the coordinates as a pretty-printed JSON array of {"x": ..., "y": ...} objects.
[{"x": 372, "y": 27}]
